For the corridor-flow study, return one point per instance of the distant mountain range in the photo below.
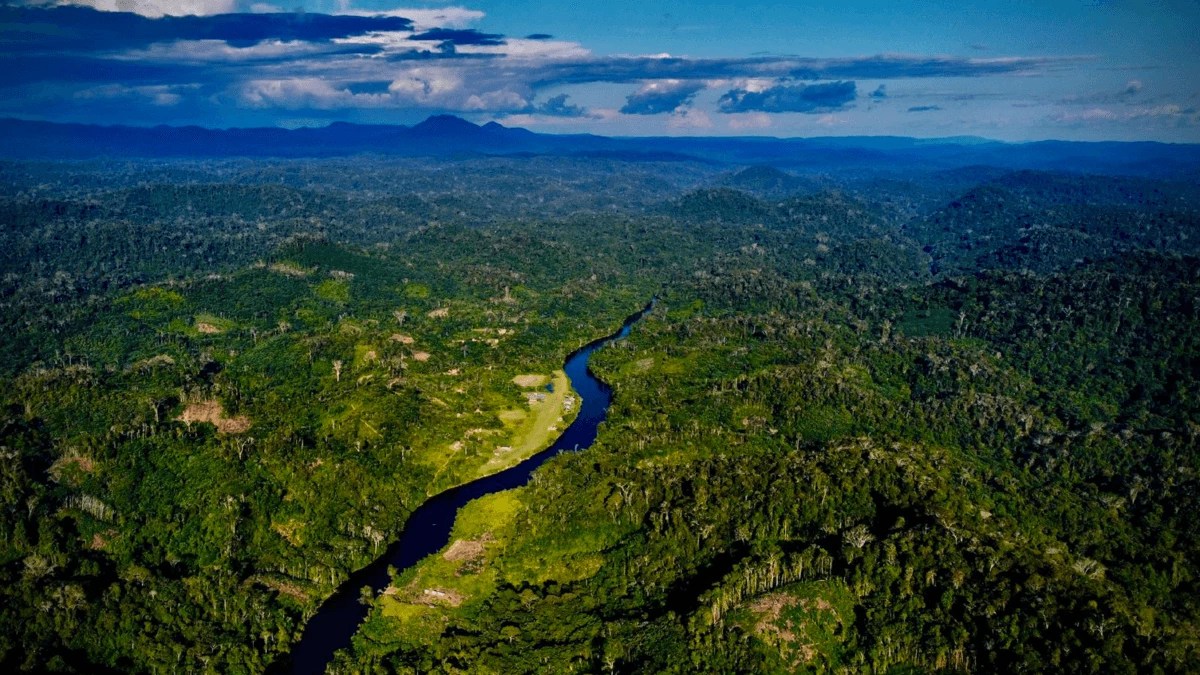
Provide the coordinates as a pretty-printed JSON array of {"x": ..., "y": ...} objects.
[{"x": 450, "y": 136}]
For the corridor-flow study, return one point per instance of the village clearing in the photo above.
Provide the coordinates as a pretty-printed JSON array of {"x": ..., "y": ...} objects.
[{"x": 535, "y": 425}]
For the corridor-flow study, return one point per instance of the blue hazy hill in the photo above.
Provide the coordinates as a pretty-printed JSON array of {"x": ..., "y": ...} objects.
[{"x": 450, "y": 136}]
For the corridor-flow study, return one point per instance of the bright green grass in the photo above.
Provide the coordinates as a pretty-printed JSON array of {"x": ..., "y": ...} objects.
[
  {"x": 535, "y": 426},
  {"x": 422, "y": 596},
  {"x": 333, "y": 290}
]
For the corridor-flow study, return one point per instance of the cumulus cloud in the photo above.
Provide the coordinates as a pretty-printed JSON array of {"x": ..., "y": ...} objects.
[
  {"x": 801, "y": 98},
  {"x": 423, "y": 18},
  {"x": 426, "y": 84},
  {"x": 220, "y": 51},
  {"x": 432, "y": 59},
  {"x": 524, "y": 48},
  {"x": 557, "y": 106},
  {"x": 295, "y": 93},
  {"x": 493, "y": 101},
  {"x": 659, "y": 97},
  {"x": 84, "y": 30},
  {"x": 151, "y": 8}
]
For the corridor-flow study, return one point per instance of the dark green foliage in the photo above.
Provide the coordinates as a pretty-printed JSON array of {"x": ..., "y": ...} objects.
[{"x": 944, "y": 422}]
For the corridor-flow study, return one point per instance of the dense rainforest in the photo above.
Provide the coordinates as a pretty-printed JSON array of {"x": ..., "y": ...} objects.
[{"x": 886, "y": 421}]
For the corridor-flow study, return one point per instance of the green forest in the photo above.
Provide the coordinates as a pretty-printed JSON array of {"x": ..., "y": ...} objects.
[{"x": 928, "y": 421}]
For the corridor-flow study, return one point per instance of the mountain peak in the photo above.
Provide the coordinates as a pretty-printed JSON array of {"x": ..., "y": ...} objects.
[{"x": 446, "y": 124}]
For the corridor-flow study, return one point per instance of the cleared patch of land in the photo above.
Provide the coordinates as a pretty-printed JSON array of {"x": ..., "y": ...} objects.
[
  {"x": 84, "y": 464},
  {"x": 210, "y": 411},
  {"x": 530, "y": 380},
  {"x": 162, "y": 360},
  {"x": 801, "y": 621},
  {"x": 535, "y": 426},
  {"x": 467, "y": 549},
  {"x": 290, "y": 269},
  {"x": 462, "y": 574},
  {"x": 210, "y": 324}
]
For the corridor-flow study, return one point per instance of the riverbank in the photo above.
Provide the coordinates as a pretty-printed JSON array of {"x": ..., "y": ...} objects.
[{"x": 429, "y": 528}]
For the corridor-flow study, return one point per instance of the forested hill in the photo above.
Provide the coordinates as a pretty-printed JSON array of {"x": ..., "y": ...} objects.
[{"x": 449, "y": 136}]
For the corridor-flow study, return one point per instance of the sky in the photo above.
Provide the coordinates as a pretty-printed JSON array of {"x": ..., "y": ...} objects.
[{"x": 1015, "y": 70}]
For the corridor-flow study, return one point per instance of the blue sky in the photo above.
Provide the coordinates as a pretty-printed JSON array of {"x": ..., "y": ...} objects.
[{"x": 1015, "y": 70}]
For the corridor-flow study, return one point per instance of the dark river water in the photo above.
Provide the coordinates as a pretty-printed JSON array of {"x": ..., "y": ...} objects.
[{"x": 428, "y": 529}]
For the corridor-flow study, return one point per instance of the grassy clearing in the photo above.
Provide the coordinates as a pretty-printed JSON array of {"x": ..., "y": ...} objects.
[
  {"x": 158, "y": 295},
  {"x": 333, "y": 290},
  {"x": 559, "y": 555},
  {"x": 530, "y": 380},
  {"x": 803, "y": 623},
  {"x": 535, "y": 426},
  {"x": 444, "y": 581},
  {"x": 364, "y": 356},
  {"x": 201, "y": 325},
  {"x": 522, "y": 433}
]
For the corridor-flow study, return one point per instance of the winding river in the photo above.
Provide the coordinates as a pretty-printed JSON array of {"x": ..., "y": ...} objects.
[{"x": 428, "y": 528}]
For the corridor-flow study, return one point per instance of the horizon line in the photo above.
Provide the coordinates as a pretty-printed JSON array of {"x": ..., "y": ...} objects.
[{"x": 977, "y": 140}]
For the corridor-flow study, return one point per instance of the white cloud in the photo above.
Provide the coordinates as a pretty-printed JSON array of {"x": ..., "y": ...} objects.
[
  {"x": 433, "y": 88},
  {"x": 158, "y": 95},
  {"x": 754, "y": 84},
  {"x": 209, "y": 51},
  {"x": 154, "y": 8},
  {"x": 520, "y": 48},
  {"x": 427, "y": 84},
  {"x": 391, "y": 41},
  {"x": 423, "y": 18},
  {"x": 296, "y": 93},
  {"x": 495, "y": 100},
  {"x": 535, "y": 119}
]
